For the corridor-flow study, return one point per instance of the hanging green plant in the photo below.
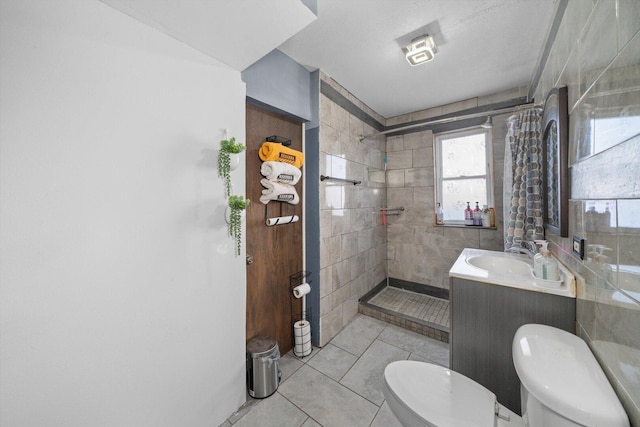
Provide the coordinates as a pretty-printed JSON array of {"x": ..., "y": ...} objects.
[
  {"x": 227, "y": 148},
  {"x": 237, "y": 204}
]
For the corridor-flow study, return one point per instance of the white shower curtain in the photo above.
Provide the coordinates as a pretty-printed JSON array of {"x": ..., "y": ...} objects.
[{"x": 523, "y": 204}]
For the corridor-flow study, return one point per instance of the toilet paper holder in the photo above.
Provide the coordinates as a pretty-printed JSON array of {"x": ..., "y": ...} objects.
[{"x": 300, "y": 286}]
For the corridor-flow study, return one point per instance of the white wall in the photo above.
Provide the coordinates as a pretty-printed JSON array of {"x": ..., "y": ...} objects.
[{"x": 121, "y": 302}]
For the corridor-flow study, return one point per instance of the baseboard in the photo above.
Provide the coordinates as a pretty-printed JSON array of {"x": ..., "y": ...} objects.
[
  {"x": 380, "y": 286},
  {"x": 419, "y": 288}
]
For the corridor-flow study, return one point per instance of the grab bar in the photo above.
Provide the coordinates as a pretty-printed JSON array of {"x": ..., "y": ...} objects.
[{"x": 350, "y": 181}]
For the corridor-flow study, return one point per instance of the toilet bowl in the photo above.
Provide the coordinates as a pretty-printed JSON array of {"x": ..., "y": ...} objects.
[{"x": 562, "y": 385}]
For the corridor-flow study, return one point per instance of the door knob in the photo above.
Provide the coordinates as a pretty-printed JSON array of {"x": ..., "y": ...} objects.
[{"x": 249, "y": 260}]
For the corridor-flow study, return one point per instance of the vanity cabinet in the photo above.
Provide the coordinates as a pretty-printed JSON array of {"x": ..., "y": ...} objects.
[{"x": 484, "y": 319}]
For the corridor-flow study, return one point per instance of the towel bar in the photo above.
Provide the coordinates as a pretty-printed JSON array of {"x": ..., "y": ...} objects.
[
  {"x": 281, "y": 219},
  {"x": 331, "y": 178}
]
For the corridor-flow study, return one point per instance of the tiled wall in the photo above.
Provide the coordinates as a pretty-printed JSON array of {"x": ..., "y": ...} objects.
[
  {"x": 418, "y": 251},
  {"x": 353, "y": 244},
  {"x": 597, "y": 55}
]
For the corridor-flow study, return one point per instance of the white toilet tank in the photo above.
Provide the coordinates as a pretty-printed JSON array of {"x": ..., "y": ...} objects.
[{"x": 562, "y": 384}]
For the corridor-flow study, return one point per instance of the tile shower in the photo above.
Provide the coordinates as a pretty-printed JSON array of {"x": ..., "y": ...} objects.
[{"x": 357, "y": 252}]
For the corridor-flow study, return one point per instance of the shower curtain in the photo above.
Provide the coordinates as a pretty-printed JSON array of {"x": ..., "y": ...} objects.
[{"x": 523, "y": 204}]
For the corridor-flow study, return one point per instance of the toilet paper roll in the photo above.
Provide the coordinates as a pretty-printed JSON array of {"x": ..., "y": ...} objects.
[
  {"x": 302, "y": 290},
  {"x": 302, "y": 350},
  {"x": 302, "y": 328},
  {"x": 302, "y": 335}
]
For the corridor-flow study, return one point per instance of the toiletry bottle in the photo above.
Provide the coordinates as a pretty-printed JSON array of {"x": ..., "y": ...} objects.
[
  {"x": 439, "y": 215},
  {"x": 468, "y": 215},
  {"x": 537, "y": 260},
  {"x": 486, "y": 216},
  {"x": 549, "y": 265},
  {"x": 544, "y": 266},
  {"x": 477, "y": 215},
  {"x": 492, "y": 212}
]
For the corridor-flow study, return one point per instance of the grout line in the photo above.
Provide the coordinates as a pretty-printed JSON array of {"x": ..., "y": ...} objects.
[{"x": 338, "y": 382}]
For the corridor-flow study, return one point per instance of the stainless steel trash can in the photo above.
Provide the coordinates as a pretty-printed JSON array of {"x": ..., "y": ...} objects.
[{"x": 263, "y": 367}]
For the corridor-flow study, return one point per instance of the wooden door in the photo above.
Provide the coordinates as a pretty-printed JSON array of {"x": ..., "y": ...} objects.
[{"x": 277, "y": 250}]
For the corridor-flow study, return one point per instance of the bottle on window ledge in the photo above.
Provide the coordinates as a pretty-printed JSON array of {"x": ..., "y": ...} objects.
[
  {"x": 486, "y": 216},
  {"x": 439, "y": 215},
  {"x": 468, "y": 215},
  {"x": 477, "y": 215}
]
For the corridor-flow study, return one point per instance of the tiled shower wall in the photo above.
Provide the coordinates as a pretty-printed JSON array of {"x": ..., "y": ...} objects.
[
  {"x": 419, "y": 251},
  {"x": 597, "y": 55},
  {"x": 353, "y": 244}
]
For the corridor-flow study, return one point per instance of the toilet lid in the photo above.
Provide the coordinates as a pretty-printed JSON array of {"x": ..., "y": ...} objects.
[{"x": 440, "y": 396}]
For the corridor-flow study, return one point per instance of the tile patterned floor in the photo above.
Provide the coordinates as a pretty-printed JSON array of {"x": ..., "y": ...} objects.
[
  {"x": 341, "y": 384},
  {"x": 419, "y": 306},
  {"x": 424, "y": 314}
]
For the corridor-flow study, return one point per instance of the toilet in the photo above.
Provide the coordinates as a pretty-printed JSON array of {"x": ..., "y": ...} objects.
[{"x": 562, "y": 385}]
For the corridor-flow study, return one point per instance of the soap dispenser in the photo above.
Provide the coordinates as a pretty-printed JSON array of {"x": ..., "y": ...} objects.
[
  {"x": 468, "y": 215},
  {"x": 544, "y": 266},
  {"x": 537, "y": 260},
  {"x": 477, "y": 215}
]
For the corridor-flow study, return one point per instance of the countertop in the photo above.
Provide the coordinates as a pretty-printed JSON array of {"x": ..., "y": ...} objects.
[{"x": 463, "y": 270}]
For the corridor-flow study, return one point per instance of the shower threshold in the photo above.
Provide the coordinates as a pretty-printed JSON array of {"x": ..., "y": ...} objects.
[{"x": 418, "y": 308}]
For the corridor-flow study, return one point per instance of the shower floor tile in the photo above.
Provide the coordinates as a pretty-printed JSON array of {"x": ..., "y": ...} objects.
[
  {"x": 419, "y": 306},
  {"x": 425, "y": 309}
]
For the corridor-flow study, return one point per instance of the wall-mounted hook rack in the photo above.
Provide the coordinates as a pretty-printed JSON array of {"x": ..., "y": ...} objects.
[
  {"x": 331, "y": 178},
  {"x": 281, "y": 139}
]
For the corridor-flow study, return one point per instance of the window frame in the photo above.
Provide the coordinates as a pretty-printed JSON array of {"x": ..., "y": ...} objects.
[{"x": 437, "y": 155}]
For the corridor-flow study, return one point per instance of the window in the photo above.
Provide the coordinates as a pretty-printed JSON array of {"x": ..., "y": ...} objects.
[{"x": 463, "y": 171}]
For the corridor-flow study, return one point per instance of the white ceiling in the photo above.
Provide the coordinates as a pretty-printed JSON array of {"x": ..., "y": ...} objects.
[
  {"x": 235, "y": 32},
  {"x": 486, "y": 46}
]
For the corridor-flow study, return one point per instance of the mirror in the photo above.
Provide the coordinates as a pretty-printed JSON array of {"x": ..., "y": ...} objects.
[{"x": 555, "y": 143}]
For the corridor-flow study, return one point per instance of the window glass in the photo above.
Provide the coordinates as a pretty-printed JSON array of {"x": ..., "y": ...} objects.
[
  {"x": 463, "y": 156},
  {"x": 463, "y": 171},
  {"x": 456, "y": 194}
]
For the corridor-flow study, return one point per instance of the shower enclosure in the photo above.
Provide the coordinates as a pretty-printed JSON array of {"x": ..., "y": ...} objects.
[{"x": 363, "y": 248}]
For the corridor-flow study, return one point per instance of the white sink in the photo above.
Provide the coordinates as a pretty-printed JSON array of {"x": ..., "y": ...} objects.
[
  {"x": 500, "y": 264},
  {"x": 509, "y": 269}
]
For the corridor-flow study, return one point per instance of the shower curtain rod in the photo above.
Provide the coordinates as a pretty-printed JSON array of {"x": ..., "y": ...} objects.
[{"x": 455, "y": 119}]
